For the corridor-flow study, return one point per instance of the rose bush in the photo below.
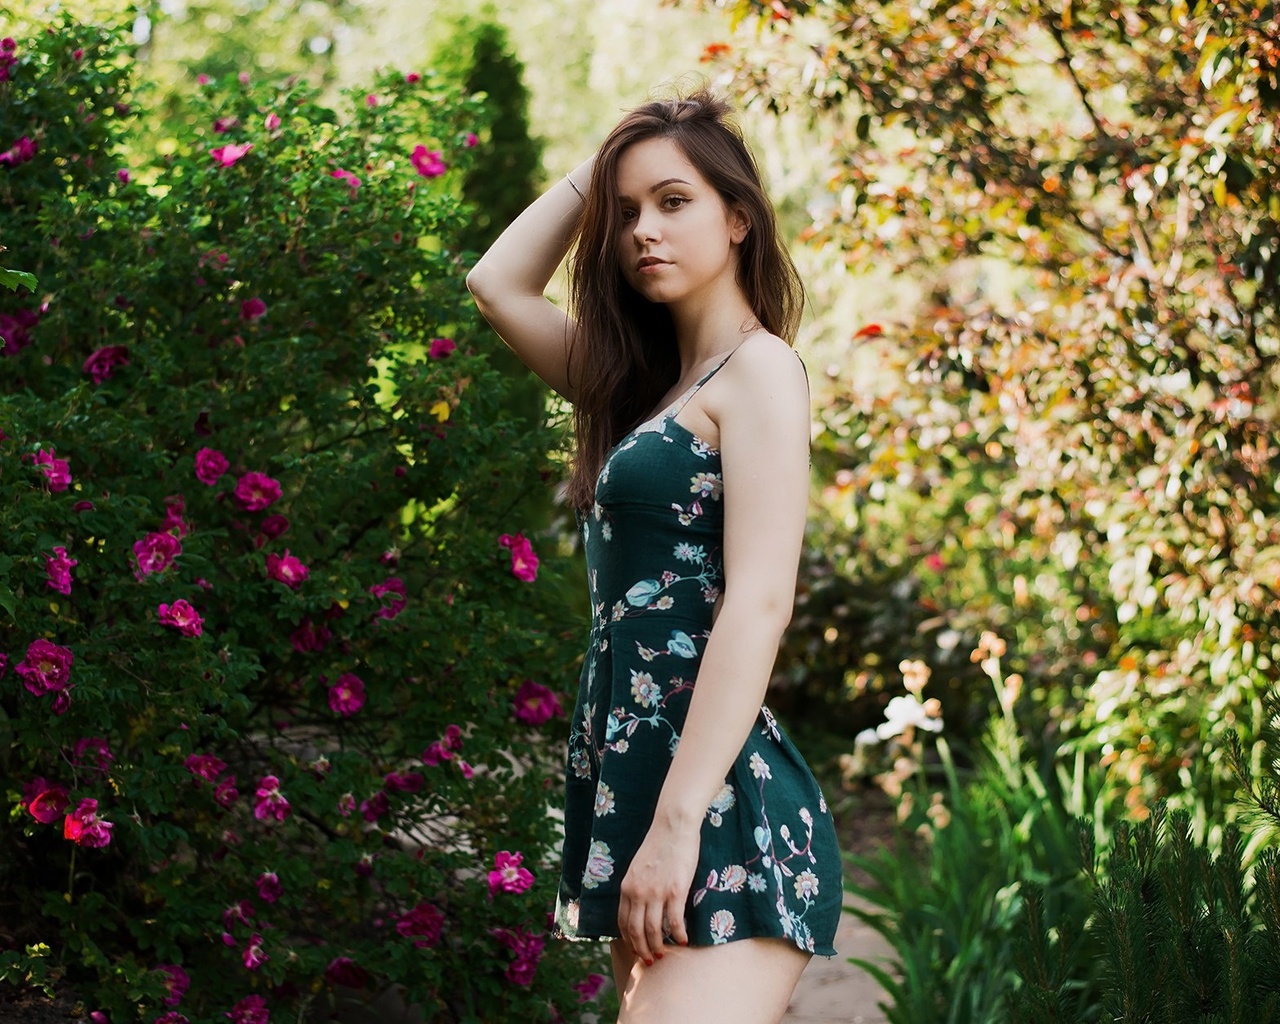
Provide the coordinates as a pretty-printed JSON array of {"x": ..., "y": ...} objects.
[{"x": 274, "y": 699}]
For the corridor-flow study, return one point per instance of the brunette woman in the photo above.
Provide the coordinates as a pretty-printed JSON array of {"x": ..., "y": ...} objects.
[{"x": 696, "y": 839}]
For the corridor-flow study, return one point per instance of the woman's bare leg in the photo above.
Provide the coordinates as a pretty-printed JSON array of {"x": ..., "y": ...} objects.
[{"x": 749, "y": 981}]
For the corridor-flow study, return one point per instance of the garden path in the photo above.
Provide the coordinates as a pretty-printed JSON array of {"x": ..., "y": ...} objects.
[{"x": 835, "y": 991}]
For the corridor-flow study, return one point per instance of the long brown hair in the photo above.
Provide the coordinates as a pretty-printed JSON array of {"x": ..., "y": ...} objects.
[{"x": 623, "y": 357}]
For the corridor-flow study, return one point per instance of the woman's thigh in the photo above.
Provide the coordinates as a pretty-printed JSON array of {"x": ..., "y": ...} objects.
[{"x": 749, "y": 981}]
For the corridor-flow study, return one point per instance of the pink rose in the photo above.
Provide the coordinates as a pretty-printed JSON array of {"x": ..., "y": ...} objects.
[
  {"x": 309, "y": 637},
  {"x": 205, "y": 766},
  {"x": 425, "y": 921},
  {"x": 19, "y": 153},
  {"x": 274, "y": 525},
  {"x": 83, "y": 826},
  {"x": 352, "y": 181},
  {"x": 226, "y": 793},
  {"x": 253, "y": 309},
  {"x": 182, "y": 617},
  {"x": 210, "y": 465},
  {"x": 250, "y": 1010},
  {"x": 269, "y": 887},
  {"x": 56, "y": 470},
  {"x": 528, "y": 949},
  {"x": 222, "y": 125},
  {"x": 44, "y": 800},
  {"x": 441, "y": 347},
  {"x": 155, "y": 553},
  {"x": 102, "y": 363},
  {"x": 177, "y": 981},
  {"x": 46, "y": 668},
  {"x": 535, "y": 704},
  {"x": 173, "y": 522},
  {"x": 346, "y": 804},
  {"x": 394, "y": 586},
  {"x": 271, "y": 122},
  {"x": 470, "y": 140},
  {"x": 227, "y": 155},
  {"x": 524, "y": 563},
  {"x": 346, "y": 697},
  {"x": 286, "y": 569},
  {"x": 92, "y": 751},
  {"x": 254, "y": 955},
  {"x": 346, "y": 972},
  {"x": 375, "y": 807},
  {"x": 57, "y": 567},
  {"x": 412, "y": 77},
  {"x": 427, "y": 162},
  {"x": 507, "y": 874},
  {"x": 402, "y": 782},
  {"x": 255, "y": 491},
  {"x": 172, "y": 1017},
  {"x": 123, "y": 175},
  {"x": 589, "y": 987},
  {"x": 270, "y": 802}
]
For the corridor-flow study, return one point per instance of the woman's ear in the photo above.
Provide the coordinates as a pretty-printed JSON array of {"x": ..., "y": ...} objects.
[{"x": 739, "y": 224}]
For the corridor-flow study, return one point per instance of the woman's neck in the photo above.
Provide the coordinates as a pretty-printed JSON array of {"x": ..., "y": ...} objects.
[{"x": 711, "y": 326}]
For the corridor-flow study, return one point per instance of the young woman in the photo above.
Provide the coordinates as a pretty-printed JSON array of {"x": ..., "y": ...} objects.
[{"x": 696, "y": 839}]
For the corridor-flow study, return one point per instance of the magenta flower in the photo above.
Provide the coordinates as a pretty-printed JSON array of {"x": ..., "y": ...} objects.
[
  {"x": 394, "y": 586},
  {"x": 271, "y": 122},
  {"x": 375, "y": 807},
  {"x": 205, "y": 766},
  {"x": 507, "y": 874},
  {"x": 22, "y": 151},
  {"x": 44, "y": 800},
  {"x": 15, "y": 330},
  {"x": 7, "y": 59},
  {"x": 253, "y": 309},
  {"x": 274, "y": 525},
  {"x": 104, "y": 361},
  {"x": 92, "y": 751},
  {"x": 56, "y": 470},
  {"x": 270, "y": 802},
  {"x": 269, "y": 887},
  {"x": 182, "y": 617},
  {"x": 524, "y": 563},
  {"x": 286, "y": 569},
  {"x": 441, "y": 347},
  {"x": 173, "y": 522},
  {"x": 57, "y": 567},
  {"x": 589, "y": 987},
  {"x": 227, "y": 155},
  {"x": 402, "y": 782},
  {"x": 226, "y": 793},
  {"x": 412, "y": 77},
  {"x": 210, "y": 465},
  {"x": 222, "y": 125},
  {"x": 123, "y": 175},
  {"x": 344, "y": 971},
  {"x": 466, "y": 769},
  {"x": 535, "y": 704},
  {"x": 453, "y": 737},
  {"x": 427, "y": 162},
  {"x": 309, "y": 637},
  {"x": 255, "y": 491},
  {"x": 436, "y": 753},
  {"x": 237, "y": 913},
  {"x": 346, "y": 804},
  {"x": 250, "y": 1010},
  {"x": 528, "y": 949},
  {"x": 46, "y": 668},
  {"x": 83, "y": 826},
  {"x": 172, "y": 1017},
  {"x": 346, "y": 696},
  {"x": 178, "y": 981},
  {"x": 424, "y": 922},
  {"x": 470, "y": 140},
  {"x": 254, "y": 955},
  {"x": 155, "y": 553},
  {"x": 352, "y": 181}
]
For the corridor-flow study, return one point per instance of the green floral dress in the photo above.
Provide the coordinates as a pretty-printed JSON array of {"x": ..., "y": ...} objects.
[{"x": 768, "y": 863}]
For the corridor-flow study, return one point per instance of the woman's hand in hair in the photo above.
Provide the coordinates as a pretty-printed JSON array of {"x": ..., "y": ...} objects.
[{"x": 656, "y": 887}]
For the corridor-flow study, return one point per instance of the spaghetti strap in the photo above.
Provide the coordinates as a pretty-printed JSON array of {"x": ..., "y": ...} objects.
[{"x": 674, "y": 410}]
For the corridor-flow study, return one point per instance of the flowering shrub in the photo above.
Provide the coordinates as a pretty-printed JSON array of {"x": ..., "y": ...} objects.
[{"x": 274, "y": 698}]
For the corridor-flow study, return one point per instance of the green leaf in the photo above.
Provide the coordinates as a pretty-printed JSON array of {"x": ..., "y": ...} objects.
[{"x": 13, "y": 279}]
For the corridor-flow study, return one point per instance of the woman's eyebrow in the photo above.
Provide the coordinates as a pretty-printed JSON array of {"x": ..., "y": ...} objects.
[{"x": 660, "y": 185}]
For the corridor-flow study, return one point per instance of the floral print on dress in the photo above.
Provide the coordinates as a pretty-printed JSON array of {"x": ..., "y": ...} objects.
[{"x": 768, "y": 860}]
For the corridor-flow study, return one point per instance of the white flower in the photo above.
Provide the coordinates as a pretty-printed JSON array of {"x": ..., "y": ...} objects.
[
  {"x": 604, "y": 799},
  {"x": 806, "y": 817},
  {"x": 706, "y": 485},
  {"x": 806, "y": 885},
  {"x": 664, "y": 602},
  {"x": 759, "y": 767},
  {"x": 688, "y": 553},
  {"x": 756, "y": 882},
  {"x": 903, "y": 713},
  {"x": 722, "y": 926},
  {"x": 646, "y": 692},
  {"x": 606, "y": 530}
]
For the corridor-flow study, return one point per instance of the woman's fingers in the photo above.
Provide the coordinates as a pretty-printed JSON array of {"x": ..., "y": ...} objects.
[
  {"x": 653, "y": 926},
  {"x": 674, "y": 916},
  {"x": 631, "y": 926}
]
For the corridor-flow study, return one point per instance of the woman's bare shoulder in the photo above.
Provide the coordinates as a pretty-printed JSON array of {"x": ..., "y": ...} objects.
[{"x": 764, "y": 365}]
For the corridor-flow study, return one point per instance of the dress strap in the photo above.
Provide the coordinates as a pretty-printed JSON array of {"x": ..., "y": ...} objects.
[{"x": 683, "y": 400}]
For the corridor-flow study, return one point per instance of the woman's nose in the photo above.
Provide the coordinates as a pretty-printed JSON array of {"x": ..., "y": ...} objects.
[{"x": 645, "y": 228}]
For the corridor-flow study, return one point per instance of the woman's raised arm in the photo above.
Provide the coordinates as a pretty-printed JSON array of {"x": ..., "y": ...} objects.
[{"x": 509, "y": 280}]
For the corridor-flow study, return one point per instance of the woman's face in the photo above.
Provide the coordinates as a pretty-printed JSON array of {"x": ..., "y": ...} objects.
[{"x": 678, "y": 238}]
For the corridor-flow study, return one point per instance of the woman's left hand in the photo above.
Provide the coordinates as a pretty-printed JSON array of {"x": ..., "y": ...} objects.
[{"x": 656, "y": 889}]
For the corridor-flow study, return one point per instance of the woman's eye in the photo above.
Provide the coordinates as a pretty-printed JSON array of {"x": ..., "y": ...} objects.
[
  {"x": 628, "y": 215},
  {"x": 673, "y": 202}
]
